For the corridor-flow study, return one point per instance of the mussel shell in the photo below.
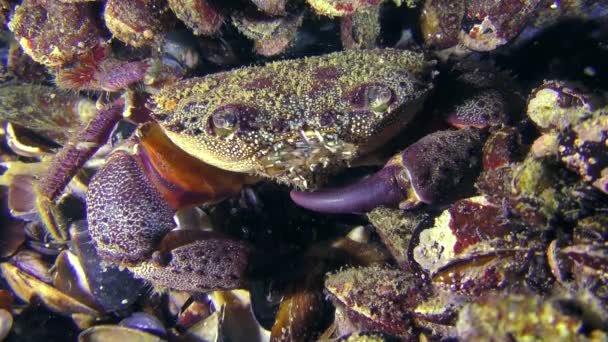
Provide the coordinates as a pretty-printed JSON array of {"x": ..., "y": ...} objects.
[{"x": 102, "y": 333}]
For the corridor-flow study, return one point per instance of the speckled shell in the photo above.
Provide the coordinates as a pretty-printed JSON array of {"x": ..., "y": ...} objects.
[
  {"x": 137, "y": 22},
  {"x": 472, "y": 248},
  {"x": 54, "y": 33},
  {"x": 295, "y": 118},
  {"x": 127, "y": 216},
  {"x": 378, "y": 298},
  {"x": 198, "y": 15},
  {"x": 518, "y": 317}
]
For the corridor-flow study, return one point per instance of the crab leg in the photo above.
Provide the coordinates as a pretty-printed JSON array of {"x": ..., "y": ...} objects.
[
  {"x": 428, "y": 172},
  {"x": 66, "y": 163}
]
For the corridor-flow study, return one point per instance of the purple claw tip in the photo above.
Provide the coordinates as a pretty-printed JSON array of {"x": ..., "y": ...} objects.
[{"x": 362, "y": 196}]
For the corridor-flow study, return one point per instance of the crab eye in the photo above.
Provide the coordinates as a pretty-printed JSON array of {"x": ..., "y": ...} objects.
[
  {"x": 224, "y": 121},
  {"x": 375, "y": 97},
  {"x": 378, "y": 97}
]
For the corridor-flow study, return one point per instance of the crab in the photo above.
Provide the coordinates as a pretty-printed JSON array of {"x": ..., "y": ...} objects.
[
  {"x": 296, "y": 122},
  {"x": 251, "y": 133}
]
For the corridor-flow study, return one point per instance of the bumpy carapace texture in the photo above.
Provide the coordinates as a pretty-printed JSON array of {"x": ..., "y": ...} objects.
[
  {"x": 487, "y": 108},
  {"x": 210, "y": 263},
  {"x": 440, "y": 161},
  {"x": 295, "y": 120},
  {"x": 126, "y": 233}
]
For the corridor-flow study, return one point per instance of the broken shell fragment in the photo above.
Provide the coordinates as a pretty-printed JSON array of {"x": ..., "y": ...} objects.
[
  {"x": 21, "y": 193},
  {"x": 209, "y": 329},
  {"x": 477, "y": 25},
  {"x": 487, "y": 25},
  {"x": 33, "y": 264},
  {"x": 501, "y": 151},
  {"x": 6, "y": 323},
  {"x": 70, "y": 279},
  {"x": 583, "y": 148},
  {"x": 181, "y": 52},
  {"x": 557, "y": 105},
  {"x": 396, "y": 228},
  {"x": 27, "y": 288},
  {"x": 237, "y": 319},
  {"x": 302, "y": 310},
  {"x": 502, "y": 148},
  {"x": 23, "y": 143},
  {"x": 144, "y": 322},
  {"x": 112, "y": 288},
  {"x": 193, "y": 312},
  {"x": 47, "y": 111},
  {"x": 12, "y": 235}
]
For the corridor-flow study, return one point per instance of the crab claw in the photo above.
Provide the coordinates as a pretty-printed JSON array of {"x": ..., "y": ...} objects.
[
  {"x": 381, "y": 188},
  {"x": 426, "y": 172}
]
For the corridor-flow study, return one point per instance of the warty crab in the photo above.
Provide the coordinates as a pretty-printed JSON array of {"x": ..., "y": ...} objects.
[{"x": 292, "y": 121}]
